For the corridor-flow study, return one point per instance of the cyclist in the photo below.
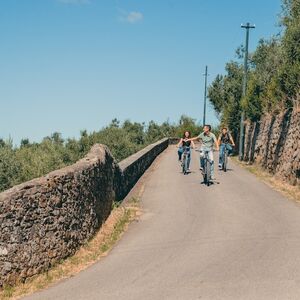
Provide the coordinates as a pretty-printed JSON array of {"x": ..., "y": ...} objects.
[
  {"x": 208, "y": 140},
  {"x": 185, "y": 145},
  {"x": 225, "y": 141}
]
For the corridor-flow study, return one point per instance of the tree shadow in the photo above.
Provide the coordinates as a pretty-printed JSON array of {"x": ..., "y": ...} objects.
[
  {"x": 285, "y": 125},
  {"x": 270, "y": 132},
  {"x": 212, "y": 182},
  {"x": 253, "y": 142},
  {"x": 228, "y": 170}
]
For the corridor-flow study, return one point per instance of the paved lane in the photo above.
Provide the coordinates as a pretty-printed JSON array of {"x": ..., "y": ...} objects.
[{"x": 235, "y": 240}]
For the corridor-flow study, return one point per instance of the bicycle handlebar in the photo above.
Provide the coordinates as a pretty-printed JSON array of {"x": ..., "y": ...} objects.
[
  {"x": 228, "y": 144},
  {"x": 200, "y": 150}
]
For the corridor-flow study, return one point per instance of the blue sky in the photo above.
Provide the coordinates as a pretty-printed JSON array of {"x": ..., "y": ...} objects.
[{"x": 68, "y": 65}]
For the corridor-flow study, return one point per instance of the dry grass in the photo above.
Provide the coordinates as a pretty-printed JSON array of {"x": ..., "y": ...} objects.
[
  {"x": 288, "y": 190},
  {"x": 95, "y": 249}
]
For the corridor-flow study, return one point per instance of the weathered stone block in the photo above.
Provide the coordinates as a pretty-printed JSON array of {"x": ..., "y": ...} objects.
[{"x": 277, "y": 145}]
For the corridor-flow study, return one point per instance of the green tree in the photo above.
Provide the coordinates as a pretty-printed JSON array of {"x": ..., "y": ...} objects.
[
  {"x": 135, "y": 132},
  {"x": 31, "y": 160},
  {"x": 262, "y": 94},
  {"x": 225, "y": 94},
  {"x": 154, "y": 132},
  {"x": 24, "y": 143},
  {"x": 9, "y": 166},
  {"x": 289, "y": 72},
  {"x": 187, "y": 124}
]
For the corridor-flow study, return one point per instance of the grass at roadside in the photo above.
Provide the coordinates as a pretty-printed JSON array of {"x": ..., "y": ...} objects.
[
  {"x": 96, "y": 248},
  {"x": 288, "y": 190}
]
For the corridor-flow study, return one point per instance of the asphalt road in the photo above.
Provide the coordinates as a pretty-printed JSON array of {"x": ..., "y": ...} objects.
[{"x": 238, "y": 239}]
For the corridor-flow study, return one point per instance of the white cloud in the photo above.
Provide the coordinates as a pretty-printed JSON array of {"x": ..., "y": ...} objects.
[
  {"x": 130, "y": 17},
  {"x": 134, "y": 17},
  {"x": 75, "y": 1}
]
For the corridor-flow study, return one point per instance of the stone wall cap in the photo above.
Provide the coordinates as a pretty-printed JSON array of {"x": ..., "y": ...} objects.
[{"x": 129, "y": 160}]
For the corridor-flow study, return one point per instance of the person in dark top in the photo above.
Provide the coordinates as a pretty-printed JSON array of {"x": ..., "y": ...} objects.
[
  {"x": 225, "y": 141},
  {"x": 185, "y": 145}
]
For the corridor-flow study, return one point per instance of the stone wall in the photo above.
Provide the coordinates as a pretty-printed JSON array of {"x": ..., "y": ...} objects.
[
  {"x": 174, "y": 140},
  {"x": 135, "y": 165},
  {"x": 47, "y": 219},
  {"x": 274, "y": 143}
]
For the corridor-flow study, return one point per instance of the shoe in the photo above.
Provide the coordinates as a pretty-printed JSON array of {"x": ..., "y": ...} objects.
[
  {"x": 212, "y": 178},
  {"x": 220, "y": 167},
  {"x": 201, "y": 169}
]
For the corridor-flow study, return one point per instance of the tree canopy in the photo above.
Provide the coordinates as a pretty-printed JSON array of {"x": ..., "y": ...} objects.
[
  {"x": 31, "y": 160},
  {"x": 273, "y": 76}
]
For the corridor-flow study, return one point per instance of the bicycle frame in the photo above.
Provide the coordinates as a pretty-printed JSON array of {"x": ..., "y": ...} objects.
[
  {"x": 185, "y": 154},
  {"x": 225, "y": 158},
  {"x": 206, "y": 168}
]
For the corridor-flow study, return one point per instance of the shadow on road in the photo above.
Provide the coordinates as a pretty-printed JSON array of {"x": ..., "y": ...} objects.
[
  {"x": 211, "y": 183},
  {"x": 228, "y": 170}
]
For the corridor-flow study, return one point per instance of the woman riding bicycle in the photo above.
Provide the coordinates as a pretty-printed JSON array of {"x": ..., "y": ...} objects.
[
  {"x": 225, "y": 141},
  {"x": 184, "y": 146}
]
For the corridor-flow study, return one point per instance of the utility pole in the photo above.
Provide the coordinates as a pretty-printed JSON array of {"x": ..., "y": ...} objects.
[
  {"x": 241, "y": 146},
  {"x": 205, "y": 91}
]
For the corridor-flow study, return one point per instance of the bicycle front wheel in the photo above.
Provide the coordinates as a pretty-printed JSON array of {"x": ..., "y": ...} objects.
[
  {"x": 208, "y": 173},
  {"x": 225, "y": 162},
  {"x": 184, "y": 162}
]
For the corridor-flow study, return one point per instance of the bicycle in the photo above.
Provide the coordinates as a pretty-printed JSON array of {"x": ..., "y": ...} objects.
[
  {"x": 206, "y": 172},
  {"x": 185, "y": 157},
  {"x": 225, "y": 158}
]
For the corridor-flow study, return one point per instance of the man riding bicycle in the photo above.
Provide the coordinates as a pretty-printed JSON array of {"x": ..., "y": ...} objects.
[
  {"x": 225, "y": 141},
  {"x": 208, "y": 140}
]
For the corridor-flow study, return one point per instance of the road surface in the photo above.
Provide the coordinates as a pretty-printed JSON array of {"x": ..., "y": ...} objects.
[{"x": 238, "y": 239}]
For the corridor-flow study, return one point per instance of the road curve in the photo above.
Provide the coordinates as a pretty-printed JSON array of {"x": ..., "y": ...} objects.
[{"x": 238, "y": 239}]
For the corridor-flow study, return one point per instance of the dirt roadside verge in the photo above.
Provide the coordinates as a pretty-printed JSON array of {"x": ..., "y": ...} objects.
[{"x": 289, "y": 191}]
